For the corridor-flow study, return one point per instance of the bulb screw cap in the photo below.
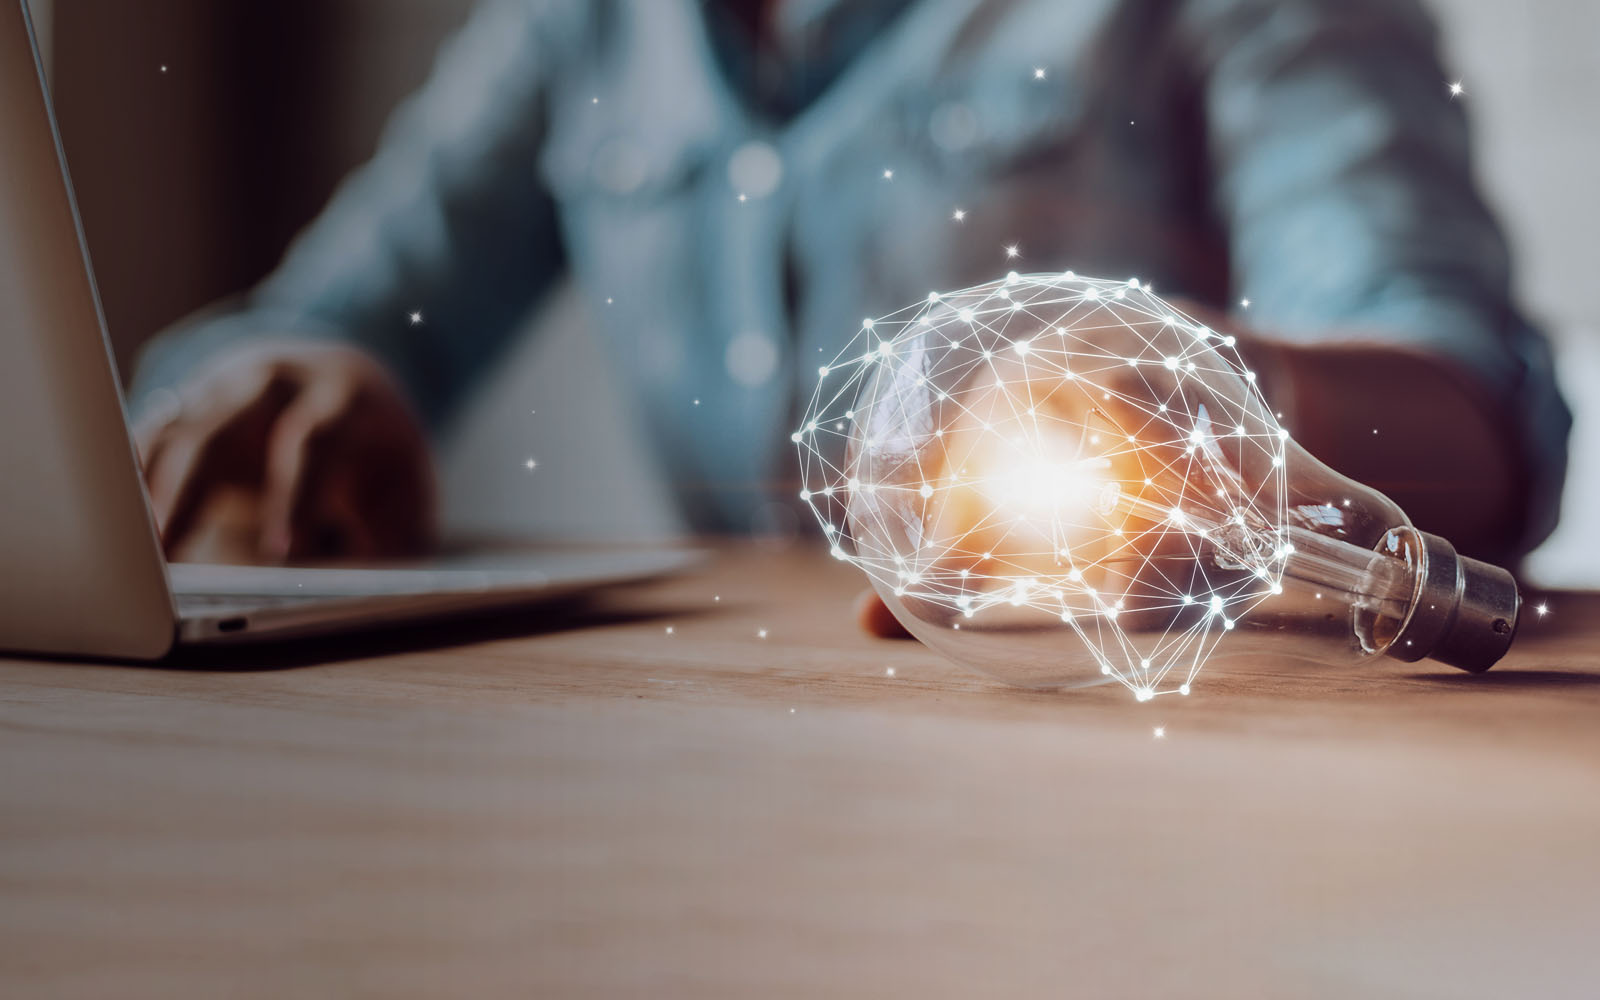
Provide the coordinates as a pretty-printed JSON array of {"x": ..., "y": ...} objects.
[{"x": 1465, "y": 611}]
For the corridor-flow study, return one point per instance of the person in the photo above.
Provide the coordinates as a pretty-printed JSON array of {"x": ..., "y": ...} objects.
[{"x": 733, "y": 184}]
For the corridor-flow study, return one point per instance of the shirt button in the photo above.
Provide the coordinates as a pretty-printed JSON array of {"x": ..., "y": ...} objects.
[
  {"x": 755, "y": 169},
  {"x": 751, "y": 359}
]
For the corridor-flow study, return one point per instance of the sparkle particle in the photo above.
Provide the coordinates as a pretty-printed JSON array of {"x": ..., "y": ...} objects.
[
  {"x": 960, "y": 215},
  {"x": 761, "y": 633},
  {"x": 1542, "y": 609},
  {"x": 415, "y": 317},
  {"x": 1457, "y": 89},
  {"x": 888, "y": 175},
  {"x": 530, "y": 465},
  {"x": 1013, "y": 251},
  {"x": 1038, "y": 72},
  {"x": 1160, "y": 732}
]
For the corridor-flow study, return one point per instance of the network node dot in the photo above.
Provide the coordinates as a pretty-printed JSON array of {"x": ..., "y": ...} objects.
[{"x": 1071, "y": 496}]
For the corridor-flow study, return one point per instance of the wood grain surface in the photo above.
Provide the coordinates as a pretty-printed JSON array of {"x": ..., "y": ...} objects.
[{"x": 578, "y": 803}]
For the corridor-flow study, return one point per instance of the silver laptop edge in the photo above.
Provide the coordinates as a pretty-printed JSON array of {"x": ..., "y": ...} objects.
[{"x": 81, "y": 569}]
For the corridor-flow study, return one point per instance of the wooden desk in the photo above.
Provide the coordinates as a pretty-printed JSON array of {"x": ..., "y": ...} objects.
[{"x": 602, "y": 808}]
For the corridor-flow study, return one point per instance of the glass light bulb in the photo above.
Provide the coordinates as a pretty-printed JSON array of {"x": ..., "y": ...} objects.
[{"x": 1063, "y": 480}]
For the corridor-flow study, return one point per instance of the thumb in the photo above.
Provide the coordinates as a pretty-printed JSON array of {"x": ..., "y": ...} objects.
[{"x": 876, "y": 619}]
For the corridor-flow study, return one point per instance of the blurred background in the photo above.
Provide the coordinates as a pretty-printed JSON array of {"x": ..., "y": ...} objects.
[{"x": 201, "y": 136}]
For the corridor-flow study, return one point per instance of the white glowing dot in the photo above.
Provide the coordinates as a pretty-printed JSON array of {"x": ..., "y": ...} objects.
[
  {"x": 888, "y": 175},
  {"x": 1013, "y": 251},
  {"x": 669, "y": 630},
  {"x": 1457, "y": 89},
  {"x": 823, "y": 371},
  {"x": 415, "y": 317},
  {"x": 959, "y": 214},
  {"x": 530, "y": 465},
  {"x": 1160, "y": 732},
  {"x": 888, "y": 671},
  {"x": 1244, "y": 303},
  {"x": 761, "y": 633},
  {"x": 1038, "y": 72},
  {"x": 1183, "y": 689},
  {"x": 1542, "y": 609}
]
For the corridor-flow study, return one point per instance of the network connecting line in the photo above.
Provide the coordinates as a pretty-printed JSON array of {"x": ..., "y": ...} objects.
[{"x": 1052, "y": 451}]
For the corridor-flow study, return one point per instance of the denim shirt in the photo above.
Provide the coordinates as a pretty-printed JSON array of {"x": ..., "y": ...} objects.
[{"x": 732, "y": 214}]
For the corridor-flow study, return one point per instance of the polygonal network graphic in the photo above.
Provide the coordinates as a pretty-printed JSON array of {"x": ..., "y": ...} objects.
[{"x": 1057, "y": 479}]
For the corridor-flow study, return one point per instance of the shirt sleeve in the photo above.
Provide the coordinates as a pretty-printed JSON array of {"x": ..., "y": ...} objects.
[
  {"x": 429, "y": 254},
  {"x": 1344, "y": 177}
]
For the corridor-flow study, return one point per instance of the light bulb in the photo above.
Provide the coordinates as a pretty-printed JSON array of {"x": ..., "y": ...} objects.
[{"x": 1063, "y": 480}]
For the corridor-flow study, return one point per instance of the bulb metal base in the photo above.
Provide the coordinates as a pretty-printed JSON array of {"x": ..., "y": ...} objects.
[{"x": 1465, "y": 611}]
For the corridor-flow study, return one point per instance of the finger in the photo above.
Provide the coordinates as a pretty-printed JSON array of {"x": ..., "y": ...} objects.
[
  {"x": 201, "y": 448},
  {"x": 876, "y": 619},
  {"x": 295, "y": 448},
  {"x": 171, "y": 477},
  {"x": 160, "y": 412}
]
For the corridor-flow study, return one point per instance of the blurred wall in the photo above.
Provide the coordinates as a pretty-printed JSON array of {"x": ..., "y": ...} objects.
[
  {"x": 1531, "y": 87},
  {"x": 191, "y": 179}
]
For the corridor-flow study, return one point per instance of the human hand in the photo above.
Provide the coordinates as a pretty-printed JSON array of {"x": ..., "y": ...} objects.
[{"x": 289, "y": 451}]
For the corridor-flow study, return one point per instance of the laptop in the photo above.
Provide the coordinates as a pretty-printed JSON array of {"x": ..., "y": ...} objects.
[{"x": 81, "y": 565}]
